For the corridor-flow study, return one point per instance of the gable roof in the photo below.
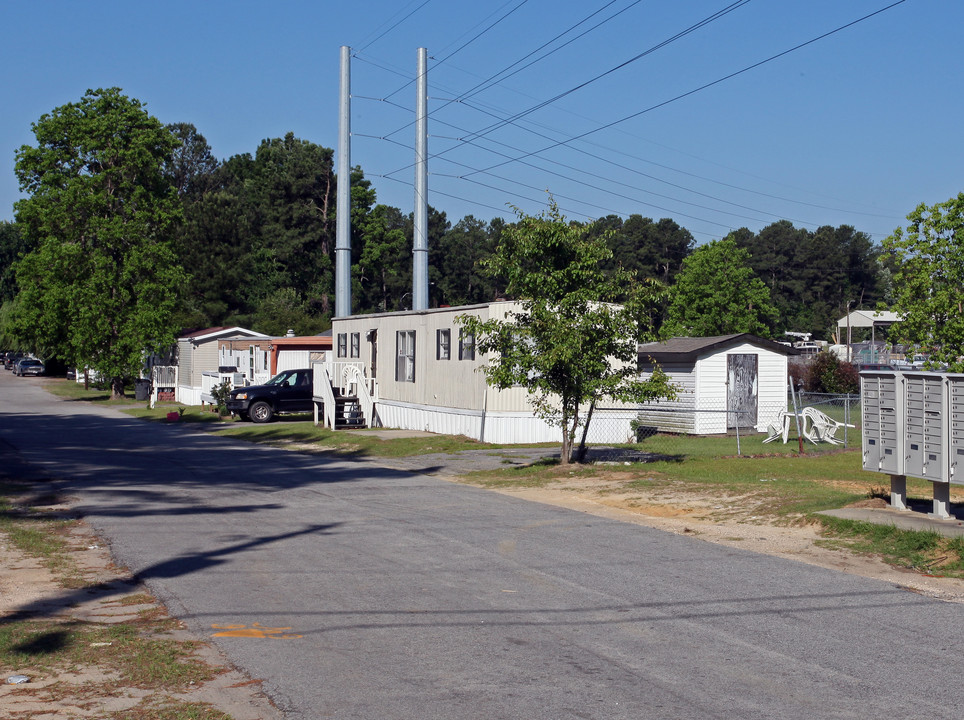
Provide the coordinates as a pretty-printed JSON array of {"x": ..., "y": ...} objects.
[
  {"x": 213, "y": 333},
  {"x": 870, "y": 318},
  {"x": 688, "y": 349}
]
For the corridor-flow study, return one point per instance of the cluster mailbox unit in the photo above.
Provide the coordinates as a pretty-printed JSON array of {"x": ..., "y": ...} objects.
[{"x": 913, "y": 424}]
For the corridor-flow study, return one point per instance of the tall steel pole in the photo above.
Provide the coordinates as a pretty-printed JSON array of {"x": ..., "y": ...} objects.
[
  {"x": 343, "y": 199},
  {"x": 420, "y": 244}
]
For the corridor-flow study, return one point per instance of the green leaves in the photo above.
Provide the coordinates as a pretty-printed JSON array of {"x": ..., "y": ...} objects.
[
  {"x": 928, "y": 281},
  {"x": 717, "y": 293},
  {"x": 566, "y": 341},
  {"x": 100, "y": 287}
]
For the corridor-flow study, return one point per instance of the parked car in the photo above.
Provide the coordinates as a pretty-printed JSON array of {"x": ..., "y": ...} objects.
[
  {"x": 28, "y": 366},
  {"x": 287, "y": 392},
  {"x": 10, "y": 359}
]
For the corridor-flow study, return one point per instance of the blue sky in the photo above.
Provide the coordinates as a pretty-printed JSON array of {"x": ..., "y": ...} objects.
[{"x": 856, "y": 128}]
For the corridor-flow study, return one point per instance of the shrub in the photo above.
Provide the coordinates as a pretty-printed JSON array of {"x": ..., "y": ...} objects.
[
  {"x": 826, "y": 373},
  {"x": 221, "y": 393}
]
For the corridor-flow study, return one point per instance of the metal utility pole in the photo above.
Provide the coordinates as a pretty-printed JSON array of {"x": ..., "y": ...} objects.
[
  {"x": 420, "y": 244},
  {"x": 343, "y": 198}
]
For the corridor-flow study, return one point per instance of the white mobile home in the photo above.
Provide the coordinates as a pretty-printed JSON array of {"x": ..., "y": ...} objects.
[
  {"x": 428, "y": 376},
  {"x": 198, "y": 353},
  {"x": 726, "y": 382}
]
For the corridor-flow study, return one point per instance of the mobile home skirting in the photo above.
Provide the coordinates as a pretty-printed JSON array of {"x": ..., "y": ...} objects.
[
  {"x": 187, "y": 395},
  {"x": 504, "y": 428}
]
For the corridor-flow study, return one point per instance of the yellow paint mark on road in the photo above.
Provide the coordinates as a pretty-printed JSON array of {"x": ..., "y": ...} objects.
[{"x": 254, "y": 630}]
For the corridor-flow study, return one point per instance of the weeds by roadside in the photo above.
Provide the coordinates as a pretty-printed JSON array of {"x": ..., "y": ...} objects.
[
  {"x": 923, "y": 551},
  {"x": 90, "y": 648}
]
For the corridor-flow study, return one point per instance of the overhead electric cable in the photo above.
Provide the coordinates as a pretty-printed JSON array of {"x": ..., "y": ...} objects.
[
  {"x": 491, "y": 80},
  {"x": 372, "y": 42},
  {"x": 683, "y": 33},
  {"x": 705, "y": 86},
  {"x": 584, "y": 173},
  {"x": 466, "y": 43},
  {"x": 632, "y": 187}
]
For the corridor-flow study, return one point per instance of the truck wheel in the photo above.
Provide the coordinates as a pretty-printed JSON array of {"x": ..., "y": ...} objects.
[{"x": 261, "y": 412}]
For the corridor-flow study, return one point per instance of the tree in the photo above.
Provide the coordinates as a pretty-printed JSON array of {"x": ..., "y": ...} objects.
[
  {"x": 460, "y": 280},
  {"x": 383, "y": 272},
  {"x": 192, "y": 165},
  {"x": 100, "y": 289},
  {"x": 568, "y": 345},
  {"x": 284, "y": 310},
  {"x": 814, "y": 276},
  {"x": 716, "y": 293},
  {"x": 928, "y": 277},
  {"x": 12, "y": 245}
]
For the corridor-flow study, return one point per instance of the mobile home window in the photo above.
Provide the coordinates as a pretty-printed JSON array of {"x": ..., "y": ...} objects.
[
  {"x": 342, "y": 345},
  {"x": 466, "y": 345},
  {"x": 405, "y": 357},
  {"x": 443, "y": 343},
  {"x": 355, "y": 345}
]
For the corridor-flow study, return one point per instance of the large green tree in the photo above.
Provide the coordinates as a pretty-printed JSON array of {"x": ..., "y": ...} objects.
[
  {"x": 717, "y": 293},
  {"x": 100, "y": 288},
  {"x": 569, "y": 345},
  {"x": 12, "y": 246},
  {"x": 928, "y": 281}
]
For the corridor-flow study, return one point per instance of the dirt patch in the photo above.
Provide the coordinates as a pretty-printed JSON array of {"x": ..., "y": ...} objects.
[
  {"x": 33, "y": 601},
  {"x": 730, "y": 522}
]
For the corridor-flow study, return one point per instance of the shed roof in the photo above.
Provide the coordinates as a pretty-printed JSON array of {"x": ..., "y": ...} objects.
[
  {"x": 869, "y": 318},
  {"x": 221, "y": 331},
  {"x": 688, "y": 349}
]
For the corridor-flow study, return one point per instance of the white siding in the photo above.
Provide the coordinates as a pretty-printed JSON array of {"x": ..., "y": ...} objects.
[
  {"x": 451, "y": 396},
  {"x": 702, "y": 400},
  {"x": 676, "y": 416},
  {"x": 293, "y": 359}
]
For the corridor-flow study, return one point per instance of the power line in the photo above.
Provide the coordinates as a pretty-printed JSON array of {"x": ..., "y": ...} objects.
[
  {"x": 491, "y": 80},
  {"x": 702, "y": 87},
  {"x": 683, "y": 33},
  {"x": 372, "y": 42},
  {"x": 466, "y": 43}
]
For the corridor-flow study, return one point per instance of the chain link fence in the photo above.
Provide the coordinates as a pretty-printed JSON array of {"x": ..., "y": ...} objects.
[{"x": 673, "y": 432}]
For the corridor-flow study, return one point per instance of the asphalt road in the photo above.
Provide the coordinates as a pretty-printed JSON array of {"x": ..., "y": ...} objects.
[{"x": 360, "y": 592}]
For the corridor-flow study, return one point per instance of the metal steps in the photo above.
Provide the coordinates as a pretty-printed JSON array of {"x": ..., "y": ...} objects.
[{"x": 348, "y": 413}]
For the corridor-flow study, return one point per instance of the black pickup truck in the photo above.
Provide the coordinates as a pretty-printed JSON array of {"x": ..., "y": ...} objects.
[{"x": 287, "y": 392}]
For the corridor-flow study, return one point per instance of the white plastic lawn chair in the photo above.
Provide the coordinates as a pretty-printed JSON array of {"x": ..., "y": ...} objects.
[{"x": 822, "y": 427}]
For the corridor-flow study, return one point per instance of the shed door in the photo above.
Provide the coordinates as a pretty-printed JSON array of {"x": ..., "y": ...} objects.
[{"x": 741, "y": 390}]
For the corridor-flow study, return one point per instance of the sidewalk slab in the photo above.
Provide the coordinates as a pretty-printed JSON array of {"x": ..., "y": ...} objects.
[{"x": 903, "y": 519}]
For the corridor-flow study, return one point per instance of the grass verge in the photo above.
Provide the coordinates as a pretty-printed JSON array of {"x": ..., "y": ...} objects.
[
  {"x": 923, "y": 551},
  {"x": 76, "y": 661}
]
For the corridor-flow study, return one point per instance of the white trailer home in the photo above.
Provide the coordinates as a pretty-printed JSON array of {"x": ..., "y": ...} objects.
[
  {"x": 198, "y": 353},
  {"x": 427, "y": 376},
  {"x": 726, "y": 382}
]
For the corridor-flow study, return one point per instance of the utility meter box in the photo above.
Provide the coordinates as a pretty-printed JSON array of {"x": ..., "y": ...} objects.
[
  {"x": 925, "y": 431},
  {"x": 882, "y": 405}
]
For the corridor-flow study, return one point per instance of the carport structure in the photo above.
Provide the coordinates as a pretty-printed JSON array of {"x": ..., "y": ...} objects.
[{"x": 864, "y": 319}]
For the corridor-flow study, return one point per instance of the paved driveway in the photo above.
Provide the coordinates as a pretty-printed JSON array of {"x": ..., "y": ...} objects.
[{"x": 357, "y": 591}]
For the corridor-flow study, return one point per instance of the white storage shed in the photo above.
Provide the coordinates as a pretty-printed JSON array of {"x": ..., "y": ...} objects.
[{"x": 727, "y": 382}]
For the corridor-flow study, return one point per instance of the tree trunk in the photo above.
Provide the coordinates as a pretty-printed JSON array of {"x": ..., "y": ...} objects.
[
  {"x": 117, "y": 388},
  {"x": 581, "y": 458},
  {"x": 566, "y": 452}
]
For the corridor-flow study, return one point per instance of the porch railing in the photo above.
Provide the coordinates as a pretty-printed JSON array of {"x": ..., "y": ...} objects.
[{"x": 322, "y": 392}]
